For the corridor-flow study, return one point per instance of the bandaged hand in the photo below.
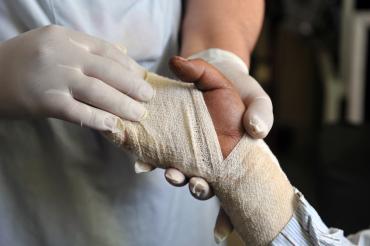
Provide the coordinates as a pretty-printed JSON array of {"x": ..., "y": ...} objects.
[
  {"x": 257, "y": 120},
  {"x": 181, "y": 131},
  {"x": 56, "y": 72}
]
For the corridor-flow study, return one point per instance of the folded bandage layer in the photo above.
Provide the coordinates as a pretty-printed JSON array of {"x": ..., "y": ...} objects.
[{"x": 178, "y": 132}]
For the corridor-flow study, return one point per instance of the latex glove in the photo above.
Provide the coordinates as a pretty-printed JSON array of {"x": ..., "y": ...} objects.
[
  {"x": 257, "y": 120},
  {"x": 56, "y": 72}
]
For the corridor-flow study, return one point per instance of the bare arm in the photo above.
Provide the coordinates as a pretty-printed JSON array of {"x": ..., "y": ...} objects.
[{"x": 230, "y": 25}]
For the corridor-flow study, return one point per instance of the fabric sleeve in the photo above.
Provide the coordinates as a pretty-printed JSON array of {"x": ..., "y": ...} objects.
[{"x": 307, "y": 228}]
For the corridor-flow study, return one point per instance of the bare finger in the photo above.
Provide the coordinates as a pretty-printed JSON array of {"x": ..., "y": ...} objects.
[{"x": 203, "y": 75}]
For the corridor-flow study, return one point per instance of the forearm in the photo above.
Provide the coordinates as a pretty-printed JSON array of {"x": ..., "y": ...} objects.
[
  {"x": 255, "y": 192},
  {"x": 230, "y": 25},
  {"x": 264, "y": 207}
]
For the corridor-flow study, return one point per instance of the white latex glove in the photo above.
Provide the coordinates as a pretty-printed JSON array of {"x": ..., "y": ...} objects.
[
  {"x": 56, "y": 72},
  {"x": 258, "y": 120}
]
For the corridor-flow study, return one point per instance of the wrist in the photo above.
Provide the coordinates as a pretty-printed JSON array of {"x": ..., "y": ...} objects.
[
  {"x": 221, "y": 58},
  {"x": 233, "y": 44},
  {"x": 255, "y": 192}
]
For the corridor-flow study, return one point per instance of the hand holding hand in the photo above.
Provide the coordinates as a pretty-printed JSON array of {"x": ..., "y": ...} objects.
[
  {"x": 257, "y": 120},
  {"x": 226, "y": 109}
]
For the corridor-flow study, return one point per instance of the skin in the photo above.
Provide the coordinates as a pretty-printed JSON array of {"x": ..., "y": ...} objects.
[
  {"x": 229, "y": 25},
  {"x": 221, "y": 97},
  {"x": 232, "y": 26},
  {"x": 226, "y": 109}
]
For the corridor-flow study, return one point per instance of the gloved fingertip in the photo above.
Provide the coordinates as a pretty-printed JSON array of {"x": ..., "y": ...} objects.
[
  {"x": 111, "y": 123},
  {"x": 175, "y": 177},
  {"x": 223, "y": 227},
  {"x": 256, "y": 127},
  {"x": 146, "y": 92},
  {"x": 138, "y": 112},
  {"x": 259, "y": 117},
  {"x": 200, "y": 189},
  {"x": 141, "y": 167}
]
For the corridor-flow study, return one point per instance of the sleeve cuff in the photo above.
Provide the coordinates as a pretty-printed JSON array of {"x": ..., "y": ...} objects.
[{"x": 307, "y": 228}]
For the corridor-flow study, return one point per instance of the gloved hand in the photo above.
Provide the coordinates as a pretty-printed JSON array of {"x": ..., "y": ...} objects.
[
  {"x": 56, "y": 72},
  {"x": 257, "y": 120}
]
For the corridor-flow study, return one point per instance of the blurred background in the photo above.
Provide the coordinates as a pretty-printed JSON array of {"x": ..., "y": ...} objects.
[{"x": 313, "y": 58}]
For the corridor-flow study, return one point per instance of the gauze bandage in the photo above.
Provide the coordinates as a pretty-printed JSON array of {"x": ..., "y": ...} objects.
[{"x": 178, "y": 132}]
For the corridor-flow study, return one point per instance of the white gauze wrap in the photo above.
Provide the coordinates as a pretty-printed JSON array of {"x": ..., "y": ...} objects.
[{"x": 178, "y": 132}]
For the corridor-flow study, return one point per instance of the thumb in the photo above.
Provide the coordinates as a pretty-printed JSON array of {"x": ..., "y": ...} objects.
[
  {"x": 259, "y": 117},
  {"x": 203, "y": 75}
]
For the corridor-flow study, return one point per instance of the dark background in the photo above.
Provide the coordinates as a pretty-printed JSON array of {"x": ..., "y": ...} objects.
[{"x": 329, "y": 163}]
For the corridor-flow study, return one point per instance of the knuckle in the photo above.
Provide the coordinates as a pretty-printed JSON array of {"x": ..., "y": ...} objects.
[
  {"x": 47, "y": 43},
  {"x": 134, "y": 68},
  {"x": 53, "y": 104},
  {"x": 50, "y": 31},
  {"x": 51, "y": 28},
  {"x": 105, "y": 49},
  {"x": 43, "y": 53}
]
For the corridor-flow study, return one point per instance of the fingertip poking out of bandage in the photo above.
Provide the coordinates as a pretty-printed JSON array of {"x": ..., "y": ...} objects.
[{"x": 178, "y": 132}]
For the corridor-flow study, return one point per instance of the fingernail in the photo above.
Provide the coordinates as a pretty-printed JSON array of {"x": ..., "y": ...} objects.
[
  {"x": 258, "y": 127},
  {"x": 146, "y": 92},
  {"x": 175, "y": 177},
  {"x": 220, "y": 237},
  {"x": 111, "y": 124},
  {"x": 138, "y": 112}
]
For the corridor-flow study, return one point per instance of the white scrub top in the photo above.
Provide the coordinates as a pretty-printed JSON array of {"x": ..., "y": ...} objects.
[{"x": 61, "y": 184}]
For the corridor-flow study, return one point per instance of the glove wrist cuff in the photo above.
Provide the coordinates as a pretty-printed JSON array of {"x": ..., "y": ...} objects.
[{"x": 217, "y": 56}]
